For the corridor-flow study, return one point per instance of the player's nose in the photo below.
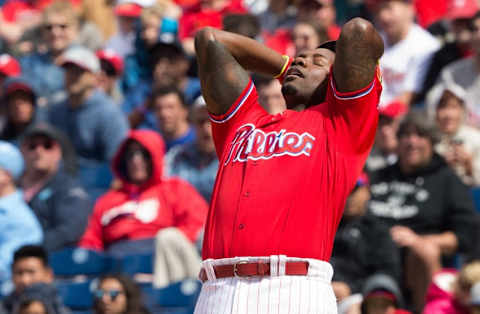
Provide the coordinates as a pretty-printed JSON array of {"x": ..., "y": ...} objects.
[{"x": 300, "y": 61}]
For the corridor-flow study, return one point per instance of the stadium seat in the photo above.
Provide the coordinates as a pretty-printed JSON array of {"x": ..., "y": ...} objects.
[
  {"x": 76, "y": 295},
  {"x": 178, "y": 297},
  {"x": 476, "y": 197},
  {"x": 77, "y": 261},
  {"x": 135, "y": 264}
]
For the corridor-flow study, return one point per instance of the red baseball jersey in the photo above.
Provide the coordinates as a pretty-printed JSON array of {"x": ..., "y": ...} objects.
[{"x": 283, "y": 179}]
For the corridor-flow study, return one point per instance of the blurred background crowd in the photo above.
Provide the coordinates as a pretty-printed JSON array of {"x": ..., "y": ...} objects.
[{"x": 107, "y": 162}]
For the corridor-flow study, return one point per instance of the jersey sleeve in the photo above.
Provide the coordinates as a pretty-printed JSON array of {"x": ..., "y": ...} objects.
[
  {"x": 354, "y": 116},
  {"x": 245, "y": 109}
]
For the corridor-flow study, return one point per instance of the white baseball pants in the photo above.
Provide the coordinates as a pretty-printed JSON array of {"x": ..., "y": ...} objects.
[{"x": 274, "y": 294}]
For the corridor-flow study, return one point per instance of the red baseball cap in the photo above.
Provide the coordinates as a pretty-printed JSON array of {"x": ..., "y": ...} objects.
[
  {"x": 128, "y": 9},
  {"x": 394, "y": 109},
  {"x": 9, "y": 66},
  {"x": 113, "y": 58},
  {"x": 462, "y": 9}
]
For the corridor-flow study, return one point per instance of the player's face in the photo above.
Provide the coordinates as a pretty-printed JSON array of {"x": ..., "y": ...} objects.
[{"x": 305, "y": 80}]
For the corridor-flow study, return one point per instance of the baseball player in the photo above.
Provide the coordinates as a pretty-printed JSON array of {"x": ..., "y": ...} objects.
[{"x": 283, "y": 179}]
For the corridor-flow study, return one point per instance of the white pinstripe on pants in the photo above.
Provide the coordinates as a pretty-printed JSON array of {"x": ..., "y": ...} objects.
[{"x": 274, "y": 294}]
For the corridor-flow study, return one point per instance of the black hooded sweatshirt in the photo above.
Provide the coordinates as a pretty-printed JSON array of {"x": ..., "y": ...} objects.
[{"x": 431, "y": 200}]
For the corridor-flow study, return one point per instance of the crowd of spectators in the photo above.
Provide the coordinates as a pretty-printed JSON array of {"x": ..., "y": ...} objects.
[{"x": 105, "y": 144}]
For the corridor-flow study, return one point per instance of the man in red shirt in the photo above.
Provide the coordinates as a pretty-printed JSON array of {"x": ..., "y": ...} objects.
[{"x": 283, "y": 179}]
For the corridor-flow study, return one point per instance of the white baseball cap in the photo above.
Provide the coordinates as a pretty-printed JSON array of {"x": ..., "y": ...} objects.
[{"x": 81, "y": 57}]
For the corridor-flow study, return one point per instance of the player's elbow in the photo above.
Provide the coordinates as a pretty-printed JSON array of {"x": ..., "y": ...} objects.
[
  {"x": 361, "y": 29},
  {"x": 202, "y": 37}
]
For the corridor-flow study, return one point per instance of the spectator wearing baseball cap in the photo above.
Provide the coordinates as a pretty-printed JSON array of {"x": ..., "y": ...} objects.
[
  {"x": 381, "y": 294},
  {"x": 95, "y": 125},
  {"x": 127, "y": 15},
  {"x": 459, "y": 143},
  {"x": 20, "y": 102},
  {"x": 111, "y": 70},
  {"x": 384, "y": 151},
  {"x": 19, "y": 224},
  {"x": 60, "y": 203},
  {"x": 459, "y": 17},
  {"x": 9, "y": 67},
  {"x": 353, "y": 242}
]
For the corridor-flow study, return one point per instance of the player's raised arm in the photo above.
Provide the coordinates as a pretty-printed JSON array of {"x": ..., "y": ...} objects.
[
  {"x": 357, "y": 52},
  {"x": 223, "y": 59}
]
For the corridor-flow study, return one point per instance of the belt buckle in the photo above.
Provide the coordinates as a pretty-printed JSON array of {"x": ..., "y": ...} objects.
[{"x": 235, "y": 269}]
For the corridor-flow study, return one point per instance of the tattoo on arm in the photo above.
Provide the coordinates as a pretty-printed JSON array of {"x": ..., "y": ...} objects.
[{"x": 221, "y": 76}]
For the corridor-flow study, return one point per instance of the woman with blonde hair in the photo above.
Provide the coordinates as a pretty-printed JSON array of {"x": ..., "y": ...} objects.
[{"x": 449, "y": 291}]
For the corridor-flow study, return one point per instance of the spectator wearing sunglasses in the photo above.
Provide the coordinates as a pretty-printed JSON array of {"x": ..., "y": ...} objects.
[
  {"x": 126, "y": 219},
  {"x": 111, "y": 70},
  {"x": 19, "y": 224},
  {"x": 20, "y": 103},
  {"x": 61, "y": 205},
  {"x": 118, "y": 294},
  {"x": 60, "y": 27}
]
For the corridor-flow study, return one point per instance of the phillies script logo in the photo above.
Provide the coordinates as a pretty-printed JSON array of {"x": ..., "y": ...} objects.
[{"x": 254, "y": 144}]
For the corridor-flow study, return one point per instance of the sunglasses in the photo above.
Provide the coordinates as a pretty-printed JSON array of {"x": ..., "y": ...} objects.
[
  {"x": 50, "y": 27},
  {"x": 113, "y": 294},
  {"x": 46, "y": 144}
]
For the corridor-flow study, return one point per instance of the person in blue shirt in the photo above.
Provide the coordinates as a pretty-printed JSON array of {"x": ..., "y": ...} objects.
[
  {"x": 170, "y": 66},
  {"x": 60, "y": 28},
  {"x": 197, "y": 161},
  {"x": 19, "y": 226},
  {"x": 94, "y": 124},
  {"x": 171, "y": 112}
]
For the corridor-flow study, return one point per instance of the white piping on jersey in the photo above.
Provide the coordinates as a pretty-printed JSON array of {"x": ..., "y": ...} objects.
[{"x": 241, "y": 102}]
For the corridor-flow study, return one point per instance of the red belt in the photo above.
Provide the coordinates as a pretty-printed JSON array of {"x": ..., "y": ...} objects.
[{"x": 246, "y": 269}]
